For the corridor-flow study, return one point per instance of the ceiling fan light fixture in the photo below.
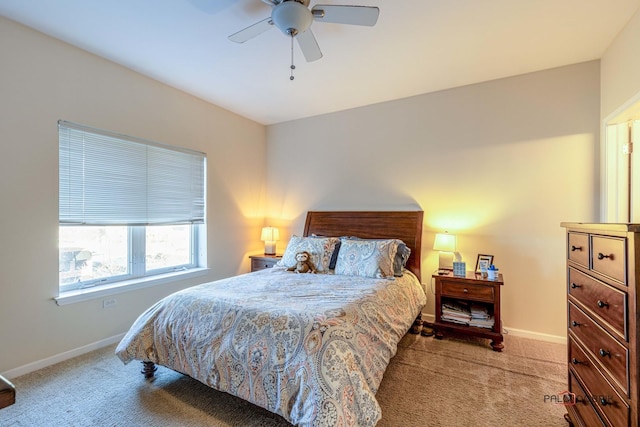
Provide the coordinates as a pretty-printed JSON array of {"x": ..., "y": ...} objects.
[{"x": 291, "y": 17}]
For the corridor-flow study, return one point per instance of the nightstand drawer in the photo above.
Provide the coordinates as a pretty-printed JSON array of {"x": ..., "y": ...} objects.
[
  {"x": 467, "y": 291},
  {"x": 261, "y": 262}
]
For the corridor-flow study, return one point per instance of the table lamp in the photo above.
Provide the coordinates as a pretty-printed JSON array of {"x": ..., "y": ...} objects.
[
  {"x": 270, "y": 235},
  {"x": 446, "y": 244}
]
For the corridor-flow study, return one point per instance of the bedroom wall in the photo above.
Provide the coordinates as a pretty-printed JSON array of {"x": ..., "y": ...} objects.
[
  {"x": 500, "y": 164},
  {"x": 43, "y": 80}
]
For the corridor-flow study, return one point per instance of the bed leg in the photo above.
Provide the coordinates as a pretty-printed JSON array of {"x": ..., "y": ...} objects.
[
  {"x": 149, "y": 368},
  {"x": 417, "y": 325}
]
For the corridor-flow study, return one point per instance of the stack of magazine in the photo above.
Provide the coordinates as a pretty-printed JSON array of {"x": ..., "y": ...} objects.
[
  {"x": 480, "y": 317},
  {"x": 456, "y": 312},
  {"x": 464, "y": 313}
]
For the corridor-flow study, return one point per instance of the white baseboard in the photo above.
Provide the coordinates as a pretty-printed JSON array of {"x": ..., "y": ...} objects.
[
  {"x": 429, "y": 317},
  {"x": 518, "y": 332},
  {"x": 34, "y": 366},
  {"x": 537, "y": 335}
]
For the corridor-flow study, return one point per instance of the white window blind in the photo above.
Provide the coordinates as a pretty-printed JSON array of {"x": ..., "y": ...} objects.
[{"x": 112, "y": 179}]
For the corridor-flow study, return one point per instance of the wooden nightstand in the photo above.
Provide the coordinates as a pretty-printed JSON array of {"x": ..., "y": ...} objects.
[
  {"x": 467, "y": 292},
  {"x": 7, "y": 393},
  {"x": 260, "y": 262}
]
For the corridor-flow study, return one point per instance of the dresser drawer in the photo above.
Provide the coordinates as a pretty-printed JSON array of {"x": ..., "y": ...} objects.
[
  {"x": 578, "y": 248},
  {"x": 467, "y": 291},
  {"x": 609, "y": 257},
  {"x": 604, "y": 348},
  {"x": 580, "y": 363},
  {"x": 603, "y": 395},
  {"x": 607, "y": 303},
  {"x": 583, "y": 406}
]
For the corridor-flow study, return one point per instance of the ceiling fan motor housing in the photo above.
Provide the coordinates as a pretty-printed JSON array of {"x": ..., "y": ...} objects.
[{"x": 291, "y": 17}]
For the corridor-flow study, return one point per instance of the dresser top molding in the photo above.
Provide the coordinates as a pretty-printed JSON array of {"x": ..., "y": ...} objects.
[{"x": 624, "y": 227}]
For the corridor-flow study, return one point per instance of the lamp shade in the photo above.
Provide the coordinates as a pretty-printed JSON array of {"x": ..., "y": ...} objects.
[
  {"x": 445, "y": 242},
  {"x": 270, "y": 234}
]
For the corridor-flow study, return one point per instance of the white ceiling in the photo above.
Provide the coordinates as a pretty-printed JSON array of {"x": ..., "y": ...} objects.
[{"x": 417, "y": 46}]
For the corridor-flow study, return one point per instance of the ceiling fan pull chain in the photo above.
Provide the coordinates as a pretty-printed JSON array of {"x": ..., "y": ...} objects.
[{"x": 293, "y": 67}]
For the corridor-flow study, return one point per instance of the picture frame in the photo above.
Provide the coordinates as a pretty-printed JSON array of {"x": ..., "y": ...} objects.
[{"x": 483, "y": 260}]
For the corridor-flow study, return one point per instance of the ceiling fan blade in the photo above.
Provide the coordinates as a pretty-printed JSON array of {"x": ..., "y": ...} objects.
[
  {"x": 309, "y": 46},
  {"x": 353, "y": 15},
  {"x": 252, "y": 31}
]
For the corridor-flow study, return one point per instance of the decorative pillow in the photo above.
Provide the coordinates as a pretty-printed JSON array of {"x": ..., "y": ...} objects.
[
  {"x": 367, "y": 258},
  {"x": 401, "y": 258},
  {"x": 334, "y": 255},
  {"x": 400, "y": 261},
  {"x": 320, "y": 248}
]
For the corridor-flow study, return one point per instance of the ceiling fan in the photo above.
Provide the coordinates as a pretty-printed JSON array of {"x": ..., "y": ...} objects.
[{"x": 294, "y": 19}]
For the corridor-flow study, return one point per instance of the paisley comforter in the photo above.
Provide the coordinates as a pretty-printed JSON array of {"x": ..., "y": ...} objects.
[{"x": 310, "y": 347}]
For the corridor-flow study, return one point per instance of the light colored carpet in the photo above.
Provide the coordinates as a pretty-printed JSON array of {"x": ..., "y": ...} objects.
[{"x": 449, "y": 382}]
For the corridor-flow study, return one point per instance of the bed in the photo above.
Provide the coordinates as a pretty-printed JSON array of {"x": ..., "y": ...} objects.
[{"x": 312, "y": 348}]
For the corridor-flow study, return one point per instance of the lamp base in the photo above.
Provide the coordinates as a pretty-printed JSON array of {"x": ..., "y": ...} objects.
[
  {"x": 445, "y": 262},
  {"x": 269, "y": 248}
]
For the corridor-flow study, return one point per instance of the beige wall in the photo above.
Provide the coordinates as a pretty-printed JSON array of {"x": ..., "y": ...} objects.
[
  {"x": 620, "y": 81},
  {"x": 43, "y": 80},
  {"x": 499, "y": 164}
]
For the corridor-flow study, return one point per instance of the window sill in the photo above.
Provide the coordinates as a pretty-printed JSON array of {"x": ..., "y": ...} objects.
[{"x": 80, "y": 295}]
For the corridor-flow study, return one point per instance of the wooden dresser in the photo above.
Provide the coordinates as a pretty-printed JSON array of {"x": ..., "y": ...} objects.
[{"x": 602, "y": 319}]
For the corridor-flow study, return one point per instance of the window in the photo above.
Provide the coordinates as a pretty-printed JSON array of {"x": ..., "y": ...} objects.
[{"x": 129, "y": 208}]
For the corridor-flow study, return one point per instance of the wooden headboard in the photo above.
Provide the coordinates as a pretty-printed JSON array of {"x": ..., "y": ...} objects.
[{"x": 403, "y": 225}]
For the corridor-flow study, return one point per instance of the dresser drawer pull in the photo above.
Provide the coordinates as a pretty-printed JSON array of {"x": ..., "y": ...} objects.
[
  {"x": 574, "y": 323},
  {"x": 603, "y": 256},
  {"x": 575, "y": 248},
  {"x": 465, "y": 290},
  {"x": 604, "y": 401},
  {"x": 574, "y": 286},
  {"x": 604, "y": 353},
  {"x": 602, "y": 304},
  {"x": 577, "y": 362}
]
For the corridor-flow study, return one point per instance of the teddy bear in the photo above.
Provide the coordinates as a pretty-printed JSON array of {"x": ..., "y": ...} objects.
[{"x": 303, "y": 263}]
